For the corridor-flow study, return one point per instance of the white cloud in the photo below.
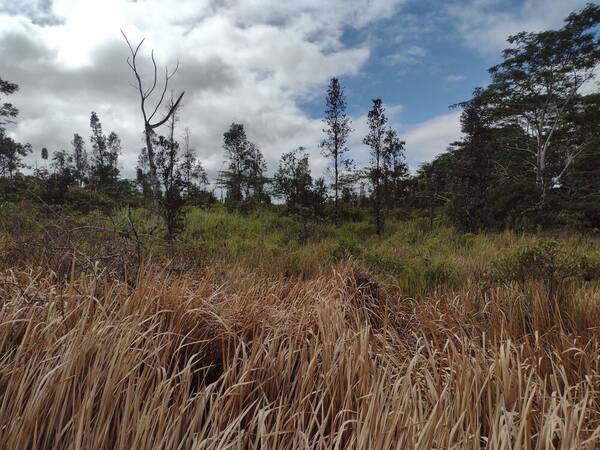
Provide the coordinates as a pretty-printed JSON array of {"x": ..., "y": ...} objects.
[
  {"x": 455, "y": 78},
  {"x": 409, "y": 55},
  {"x": 486, "y": 24},
  {"x": 428, "y": 139},
  {"x": 241, "y": 60}
]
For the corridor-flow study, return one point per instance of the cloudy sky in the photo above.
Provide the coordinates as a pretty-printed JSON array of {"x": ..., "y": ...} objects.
[{"x": 264, "y": 63}]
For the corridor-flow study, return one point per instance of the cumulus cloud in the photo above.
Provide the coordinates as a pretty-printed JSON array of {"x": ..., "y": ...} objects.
[
  {"x": 240, "y": 60},
  {"x": 427, "y": 140},
  {"x": 485, "y": 24}
]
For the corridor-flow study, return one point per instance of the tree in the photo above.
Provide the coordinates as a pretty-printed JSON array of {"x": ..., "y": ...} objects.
[
  {"x": 255, "y": 179},
  {"x": 104, "y": 171},
  {"x": 80, "y": 159},
  {"x": 376, "y": 121},
  {"x": 235, "y": 144},
  {"x": 395, "y": 170},
  {"x": 143, "y": 177},
  {"x": 472, "y": 174},
  {"x": 319, "y": 196},
  {"x": 580, "y": 187},
  {"x": 167, "y": 164},
  {"x": 246, "y": 167},
  {"x": 334, "y": 145},
  {"x": 7, "y": 110},
  {"x": 537, "y": 84},
  {"x": 431, "y": 183},
  {"x": 148, "y": 112},
  {"x": 62, "y": 163},
  {"x": 193, "y": 174},
  {"x": 11, "y": 152},
  {"x": 293, "y": 181}
]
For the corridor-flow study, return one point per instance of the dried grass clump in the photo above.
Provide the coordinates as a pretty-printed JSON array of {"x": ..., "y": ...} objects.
[{"x": 227, "y": 358}]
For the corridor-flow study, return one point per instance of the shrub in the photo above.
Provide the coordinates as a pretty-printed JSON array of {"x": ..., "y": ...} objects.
[{"x": 546, "y": 262}]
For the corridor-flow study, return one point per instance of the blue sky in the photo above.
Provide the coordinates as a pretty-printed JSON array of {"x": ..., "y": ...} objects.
[
  {"x": 422, "y": 63},
  {"x": 264, "y": 63}
]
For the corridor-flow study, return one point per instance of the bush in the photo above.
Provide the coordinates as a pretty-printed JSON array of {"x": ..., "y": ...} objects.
[
  {"x": 345, "y": 248},
  {"x": 85, "y": 200},
  {"x": 414, "y": 276},
  {"x": 546, "y": 262}
]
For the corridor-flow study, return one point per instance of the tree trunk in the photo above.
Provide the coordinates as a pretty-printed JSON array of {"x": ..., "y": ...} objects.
[{"x": 154, "y": 183}]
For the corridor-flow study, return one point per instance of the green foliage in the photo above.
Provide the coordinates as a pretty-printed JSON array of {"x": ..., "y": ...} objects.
[
  {"x": 547, "y": 262},
  {"x": 413, "y": 276},
  {"x": 84, "y": 201}
]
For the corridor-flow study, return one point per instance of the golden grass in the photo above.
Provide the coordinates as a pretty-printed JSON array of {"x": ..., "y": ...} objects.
[{"x": 227, "y": 358}]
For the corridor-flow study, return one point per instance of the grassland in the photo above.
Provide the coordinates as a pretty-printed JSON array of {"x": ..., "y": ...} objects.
[{"x": 238, "y": 336}]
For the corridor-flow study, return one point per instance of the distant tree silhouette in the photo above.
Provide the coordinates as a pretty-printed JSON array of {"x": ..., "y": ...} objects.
[
  {"x": 245, "y": 174},
  {"x": 293, "y": 181},
  {"x": 11, "y": 152},
  {"x": 235, "y": 144},
  {"x": 192, "y": 173},
  {"x": 80, "y": 160},
  {"x": 472, "y": 174},
  {"x": 255, "y": 179},
  {"x": 376, "y": 121},
  {"x": 334, "y": 145},
  {"x": 11, "y": 155},
  {"x": 104, "y": 170},
  {"x": 7, "y": 111},
  {"x": 395, "y": 170}
]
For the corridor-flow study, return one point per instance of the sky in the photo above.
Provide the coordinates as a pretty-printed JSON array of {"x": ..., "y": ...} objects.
[{"x": 263, "y": 63}]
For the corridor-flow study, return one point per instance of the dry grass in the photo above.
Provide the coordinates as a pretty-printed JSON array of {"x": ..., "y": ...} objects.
[{"x": 228, "y": 358}]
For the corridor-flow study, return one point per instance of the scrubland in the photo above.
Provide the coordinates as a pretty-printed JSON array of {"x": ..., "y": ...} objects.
[{"x": 238, "y": 336}]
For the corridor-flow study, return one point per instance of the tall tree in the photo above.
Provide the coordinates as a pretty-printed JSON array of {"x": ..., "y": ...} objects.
[
  {"x": 255, "y": 179},
  {"x": 472, "y": 174},
  {"x": 192, "y": 173},
  {"x": 246, "y": 167},
  {"x": 536, "y": 85},
  {"x": 376, "y": 121},
  {"x": 334, "y": 145},
  {"x": 80, "y": 159},
  {"x": 148, "y": 111},
  {"x": 580, "y": 186},
  {"x": 7, "y": 111},
  {"x": 143, "y": 176},
  {"x": 11, "y": 152},
  {"x": 105, "y": 153},
  {"x": 11, "y": 155},
  {"x": 395, "y": 170},
  {"x": 293, "y": 180},
  {"x": 235, "y": 144}
]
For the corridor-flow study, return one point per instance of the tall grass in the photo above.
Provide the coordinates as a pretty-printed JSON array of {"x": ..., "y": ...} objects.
[
  {"x": 231, "y": 358},
  {"x": 237, "y": 336}
]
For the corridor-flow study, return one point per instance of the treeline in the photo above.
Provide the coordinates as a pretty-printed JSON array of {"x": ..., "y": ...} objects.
[{"x": 529, "y": 156}]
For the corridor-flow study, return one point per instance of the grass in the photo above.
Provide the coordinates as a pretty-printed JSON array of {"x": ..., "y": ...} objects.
[{"x": 240, "y": 337}]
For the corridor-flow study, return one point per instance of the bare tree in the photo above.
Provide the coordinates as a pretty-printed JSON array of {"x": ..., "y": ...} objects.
[{"x": 149, "y": 111}]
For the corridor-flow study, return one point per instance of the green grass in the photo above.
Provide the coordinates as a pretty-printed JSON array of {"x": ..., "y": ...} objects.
[{"x": 409, "y": 256}]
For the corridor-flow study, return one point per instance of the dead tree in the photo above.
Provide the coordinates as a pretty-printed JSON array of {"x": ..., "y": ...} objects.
[{"x": 148, "y": 112}]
